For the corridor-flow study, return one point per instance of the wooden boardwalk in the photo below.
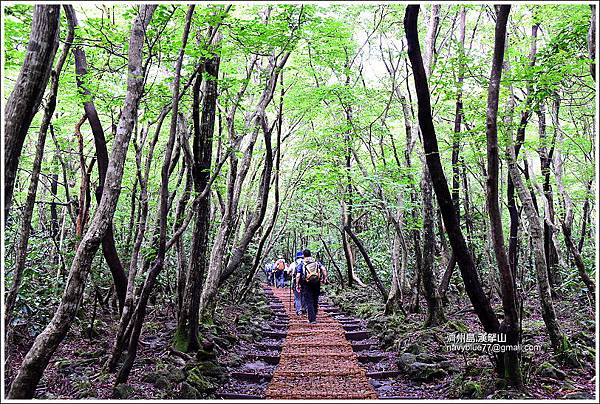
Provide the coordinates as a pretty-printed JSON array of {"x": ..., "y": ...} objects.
[{"x": 317, "y": 361}]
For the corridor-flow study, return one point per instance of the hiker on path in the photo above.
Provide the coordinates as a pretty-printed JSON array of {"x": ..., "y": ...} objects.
[
  {"x": 298, "y": 297},
  {"x": 309, "y": 279},
  {"x": 280, "y": 266},
  {"x": 269, "y": 267}
]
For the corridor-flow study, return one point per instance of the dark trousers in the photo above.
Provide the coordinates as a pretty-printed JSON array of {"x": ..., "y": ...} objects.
[{"x": 311, "y": 297}]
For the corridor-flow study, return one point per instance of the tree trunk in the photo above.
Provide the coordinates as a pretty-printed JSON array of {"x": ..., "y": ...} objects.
[
  {"x": 370, "y": 265},
  {"x": 592, "y": 41},
  {"x": 47, "y": 342},
  {"x": 464, "y": 258},
  {"x": 186, "y": 337},
  {"x": 557, "y": 339},
  {"x": 108, "y": 243},
  {"x": 567, "y": 220},
  {"x": 513, "y": 242},
  {"x": 510, "y": 324},
  {"x": 21, "y": 250},
  {"x": 545, "y": 161},
  {"x": 434, "y": 306},
  {"x": 137, "y": 319},
  {"x": 28, "y": 91}
]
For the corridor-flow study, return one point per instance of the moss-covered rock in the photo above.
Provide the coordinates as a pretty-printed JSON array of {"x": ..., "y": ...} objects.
[
  {"x": 547, "y": 369},
  {"x": 122, "y": 391},
  {"x": 458, "y": 326},
  {"x": 199, "y": 381},
  {"x": 471, "y": 389},
  {"x": 188, "y": 391}
]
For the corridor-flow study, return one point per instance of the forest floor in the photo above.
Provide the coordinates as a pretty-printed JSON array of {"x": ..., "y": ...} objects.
[{"x": 240, "y": 359}]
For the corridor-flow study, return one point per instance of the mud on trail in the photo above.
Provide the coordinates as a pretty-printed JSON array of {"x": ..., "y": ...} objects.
[{"x": 317, "y": 361}]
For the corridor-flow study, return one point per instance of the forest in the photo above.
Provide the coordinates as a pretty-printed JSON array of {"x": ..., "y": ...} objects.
[{"x": 438, "y": 160}]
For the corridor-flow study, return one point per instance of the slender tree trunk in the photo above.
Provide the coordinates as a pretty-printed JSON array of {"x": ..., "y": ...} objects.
[
  {"x": 545, "y": 162},
  {"x": 21, "y": 251},
  {"x": 84, "y": 186},
  {"x": 567, "y": 220},
  {"x": 510, "y": 324},
  {"x": 513, "y": 243},
  {"x": 557, "y": 339},
  {"x": 28, "y": 91},
  {"x": 44, "y": 346},
  {"x": 464, "y": 258},
  {"x": 108, "y": 243},
  {"x": 585, "y": 217},
  {"x": 434, "y": 306},
  {"x": 370, "y": 265},
  {"x": 592, "y": 41},
  {"x": 137, "y": 319}
]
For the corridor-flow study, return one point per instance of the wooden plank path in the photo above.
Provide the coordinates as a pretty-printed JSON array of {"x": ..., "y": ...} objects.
[{"x": 317, "y": 361}]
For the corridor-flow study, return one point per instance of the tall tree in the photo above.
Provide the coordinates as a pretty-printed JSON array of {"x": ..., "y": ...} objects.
[
  {"x": 109, "y": 248},
  {"x": 510, "y": 324},
  {"x": 203, "y": 113},
  {"x": 137, "y": 320},
  {"x": 464, "y": 258},
  {"x": 558, "y": 340},
  {"x": 25, "y": 99},
  {"x": 435, "y": 309},
  {"x": 44, "y": 346},
  {"x": 21, "y": 252}
]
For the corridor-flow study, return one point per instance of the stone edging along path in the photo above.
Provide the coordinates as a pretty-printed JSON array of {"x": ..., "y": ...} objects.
[{"x": 317, "y": 361}]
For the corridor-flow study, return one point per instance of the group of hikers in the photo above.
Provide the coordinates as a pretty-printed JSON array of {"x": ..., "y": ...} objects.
[{"x": 304, "y": 276}]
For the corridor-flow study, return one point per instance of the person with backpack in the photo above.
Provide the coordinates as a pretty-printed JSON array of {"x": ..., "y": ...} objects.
[
  {"x": 269, "y": 272},
  {"x": 280, "y": 266},
  {"x": 309, "y": 278},
  {"x": 298, "y": 297}
]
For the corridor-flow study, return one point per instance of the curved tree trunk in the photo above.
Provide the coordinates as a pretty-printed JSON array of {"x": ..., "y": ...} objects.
[
  {"x": 480, "y": 302},
  {"x": 108, "y": 242},
  {"x": 567, "y": 220},
  {"x": 47, "y": 342},
  {"x": 363, "y": 251},
  {"x": 28, "y": 91}
]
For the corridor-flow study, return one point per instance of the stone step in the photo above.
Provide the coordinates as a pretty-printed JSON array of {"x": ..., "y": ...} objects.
[
  {"x": 276, "y": 327},
  {"x": 350, "y": 327},
  {"x": 362, "y": 346},
  {"x": 270, "y": 359},
  {"x": 268, "y": 347},
  {"x": 370, "y": 358},
  {"x": 238, "y": 396},
  {"x": 383, "y": 375},
  {"x": 357, "y": 335},
  {"x": 251, "y": 377},
  {"x": 274, "y": 334}
]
